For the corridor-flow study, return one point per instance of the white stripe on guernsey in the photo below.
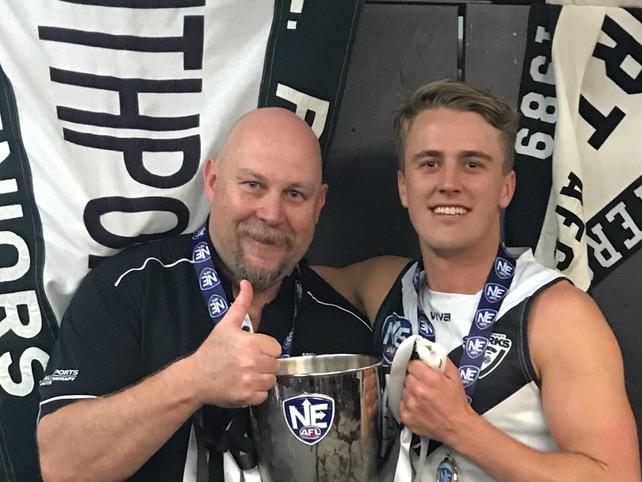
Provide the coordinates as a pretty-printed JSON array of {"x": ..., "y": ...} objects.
[
  {"x": 63, "y": 397},
  {"x": 142, "y": 267},
  {"x": 66, "y": 397},
  {"x": 341, "y": 308}
]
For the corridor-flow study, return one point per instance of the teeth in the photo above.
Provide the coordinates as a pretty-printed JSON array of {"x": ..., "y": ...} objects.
[{"x": 450, "y": 210}]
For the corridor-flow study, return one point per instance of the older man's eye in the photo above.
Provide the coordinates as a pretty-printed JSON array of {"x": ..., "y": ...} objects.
[{"x": 295, "y": 195}]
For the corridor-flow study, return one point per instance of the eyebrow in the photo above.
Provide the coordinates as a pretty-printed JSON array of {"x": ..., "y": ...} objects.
[
  {"x": 426, "y": 153},
  {"x": 462, "y": 155},
  {"x": 244, "y": 171},
  {"x": 473, "y": 153}
]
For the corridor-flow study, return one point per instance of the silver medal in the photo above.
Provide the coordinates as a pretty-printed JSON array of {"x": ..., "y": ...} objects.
[{"x": 447, "y": 470}]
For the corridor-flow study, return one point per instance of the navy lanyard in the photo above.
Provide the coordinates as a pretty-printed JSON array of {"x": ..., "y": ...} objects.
[
  {"x": 214, "y": 295},
  {"x": 493, "y": 294}
]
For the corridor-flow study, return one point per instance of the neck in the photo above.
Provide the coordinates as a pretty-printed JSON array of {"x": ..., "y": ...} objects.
[{"x": 463, "y": 273}]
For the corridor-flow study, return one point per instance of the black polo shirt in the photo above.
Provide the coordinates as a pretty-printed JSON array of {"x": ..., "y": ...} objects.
[{"x": 142, "y": 309}]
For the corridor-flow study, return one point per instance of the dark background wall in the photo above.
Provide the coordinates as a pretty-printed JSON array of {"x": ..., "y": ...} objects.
[{"x": 400, "y": 46}]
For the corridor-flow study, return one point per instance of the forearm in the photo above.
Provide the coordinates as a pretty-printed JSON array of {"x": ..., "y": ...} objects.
[
  {"x": 508, "y": 460},
  {"x": 109, "y": 438}
]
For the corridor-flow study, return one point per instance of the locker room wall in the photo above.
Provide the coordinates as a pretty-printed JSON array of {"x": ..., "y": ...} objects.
[{"x": 400, "y": 46}]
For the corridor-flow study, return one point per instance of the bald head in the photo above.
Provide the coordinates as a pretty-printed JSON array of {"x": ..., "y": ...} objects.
[
  {"x": 273, "y": 127},
  {"x": 266, "y": 192}
]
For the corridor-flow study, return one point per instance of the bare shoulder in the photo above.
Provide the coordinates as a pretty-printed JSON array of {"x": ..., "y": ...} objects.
[
  {"x": 566, "y": 325},
  {"x": 563, "y": 306},
  {"x": 579, "y": 364},
  {"x": 365, "y": 283}
]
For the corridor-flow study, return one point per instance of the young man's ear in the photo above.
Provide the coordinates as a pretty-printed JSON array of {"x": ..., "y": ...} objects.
[
  {"x": 401, "y": 187},
  {"x": 508, "y": 189}
]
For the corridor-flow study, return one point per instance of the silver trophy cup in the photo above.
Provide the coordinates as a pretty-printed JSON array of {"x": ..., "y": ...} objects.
[{"x": 319, "y": 421}]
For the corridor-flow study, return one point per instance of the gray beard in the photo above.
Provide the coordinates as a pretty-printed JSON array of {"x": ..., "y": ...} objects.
[{"x": 261, "y": 280}]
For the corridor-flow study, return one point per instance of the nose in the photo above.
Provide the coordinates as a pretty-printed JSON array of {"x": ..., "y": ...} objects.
[
  {"x": 450, "y": 179},
  {"x": 270, "y": 209}
]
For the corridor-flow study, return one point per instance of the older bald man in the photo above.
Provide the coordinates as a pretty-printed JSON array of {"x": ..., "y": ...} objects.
[{"x": 150, "y": 360}]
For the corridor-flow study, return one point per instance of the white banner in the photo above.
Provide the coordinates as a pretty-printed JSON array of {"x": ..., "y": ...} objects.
[
  {"x": 593, "y": 217},
  {"x": 118, "y": 106}
]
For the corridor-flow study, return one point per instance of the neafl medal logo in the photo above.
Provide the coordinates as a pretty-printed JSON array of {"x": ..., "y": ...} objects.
[
  {"x": 309, "y": 417},
  {"x": 503, "y": 268}
]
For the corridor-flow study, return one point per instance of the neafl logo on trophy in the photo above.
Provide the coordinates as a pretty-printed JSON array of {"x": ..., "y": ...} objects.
[{"x": 309, "y": 417}]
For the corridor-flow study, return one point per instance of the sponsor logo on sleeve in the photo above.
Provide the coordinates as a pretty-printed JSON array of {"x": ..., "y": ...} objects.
[
  {"x": 309, "y": 417},
  {"x": 59, "y": 376}
]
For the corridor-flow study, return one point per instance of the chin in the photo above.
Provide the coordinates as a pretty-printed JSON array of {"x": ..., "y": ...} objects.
[{"x": 448, "y": 247}]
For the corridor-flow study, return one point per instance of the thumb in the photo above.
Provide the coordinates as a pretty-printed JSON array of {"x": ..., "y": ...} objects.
[{"x": 236, "y": 314}]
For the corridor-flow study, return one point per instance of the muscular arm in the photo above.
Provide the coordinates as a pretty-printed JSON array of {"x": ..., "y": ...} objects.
[
  {"x": 366, "y": 283},
  {"x": 109, "y": 438},
  {"x": 585, "y": 403}
]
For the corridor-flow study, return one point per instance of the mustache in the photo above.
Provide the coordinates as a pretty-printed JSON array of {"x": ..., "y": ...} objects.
[{"x": 265, "y": 234}]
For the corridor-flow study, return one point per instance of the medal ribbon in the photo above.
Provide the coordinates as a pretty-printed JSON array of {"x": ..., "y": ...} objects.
[
  {"x": 214, "y": 295},
  {"x": 217, "y": 305},
  {"x": 493, "y": 294}
]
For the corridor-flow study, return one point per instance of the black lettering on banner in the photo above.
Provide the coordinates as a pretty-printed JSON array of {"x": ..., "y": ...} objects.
[
  {"x": 128, "y": 90},
  {"x": 567, "y": 255},
  {"x": 573, "y": 188},
  {"x": 133, "y": 148},
  {"x": 313, "y": 110},
  {"x": 603, "y": 125},
  {"x": 535, "y": 137},
  {"x": 615, "y": 233},
  {"x": 117, "y": 204},
  {"x": 27, "y": 323},
  {"x": 190, "y": 44},
  {"x": 614, "y": 57},
  {"x": 571, "y": 219},
  {"x": 140, "y": 3},
  {"x": 293, "y": 77}
]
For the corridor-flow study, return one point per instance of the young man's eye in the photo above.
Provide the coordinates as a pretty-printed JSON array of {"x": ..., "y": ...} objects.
[{"x": 428, "y": 163}]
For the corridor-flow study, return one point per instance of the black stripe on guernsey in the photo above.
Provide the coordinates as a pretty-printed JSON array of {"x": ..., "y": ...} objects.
[
  {"x": 390, "y": 303},
  {"x": 524, "y": 352},
  {"x": 506, "y": 381}
]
